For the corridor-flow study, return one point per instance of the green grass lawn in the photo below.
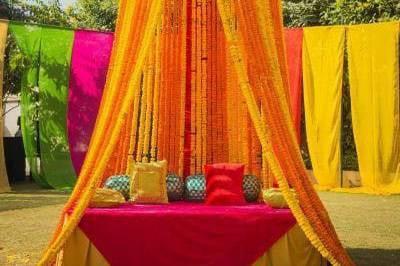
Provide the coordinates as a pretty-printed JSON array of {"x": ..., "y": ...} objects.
[{"x": 369, "y": 226}]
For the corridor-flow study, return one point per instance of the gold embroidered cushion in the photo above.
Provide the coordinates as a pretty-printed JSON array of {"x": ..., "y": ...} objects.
[
  {"x": 106, "y": 198},
  {"x": 148, "y": 183}
]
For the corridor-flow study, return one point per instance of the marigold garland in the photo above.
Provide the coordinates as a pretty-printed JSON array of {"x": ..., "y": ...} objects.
[
  {"x": 115, "y": 65},
  {"x": 149, "y": 105},
  {"x": 281, "y": 135},
  {"x": 152, "y": 13},
  {"x": 182, "y": 77},
  {"x": 156, "y": 99}
]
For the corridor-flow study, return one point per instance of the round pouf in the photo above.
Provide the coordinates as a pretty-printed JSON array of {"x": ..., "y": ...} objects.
[
  {"x": 251, "y": 188},
  {"x": 119, "y": 183},
  {"x": 195, "y": 188},
  {"x": 175, "y": 187}
]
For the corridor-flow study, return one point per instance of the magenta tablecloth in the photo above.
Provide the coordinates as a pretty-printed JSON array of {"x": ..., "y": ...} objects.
[{"x": 185, "y": 234}]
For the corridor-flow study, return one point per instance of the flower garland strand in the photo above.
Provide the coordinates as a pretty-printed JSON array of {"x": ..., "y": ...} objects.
[
  {"x": 149, "y": 105},
  {"x": 237, "y": 58},
  {"x": 156, "y": 99},
  {"x": 183, "y": 24},
  {"x": 153, "y": 14},
  {"x": 106, "y": 105}
]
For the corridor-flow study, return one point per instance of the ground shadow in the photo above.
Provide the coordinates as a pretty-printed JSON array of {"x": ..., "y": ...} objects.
[
  {"x": 27, "y": 195},
  {"x": 375, "y": 257}
]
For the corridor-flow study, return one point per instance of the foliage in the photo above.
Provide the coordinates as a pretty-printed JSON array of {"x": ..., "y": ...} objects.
[{"x": 94, "y": 14}]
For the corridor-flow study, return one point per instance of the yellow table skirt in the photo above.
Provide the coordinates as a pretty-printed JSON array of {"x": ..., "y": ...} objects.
[{"x": 293, "y": 249}]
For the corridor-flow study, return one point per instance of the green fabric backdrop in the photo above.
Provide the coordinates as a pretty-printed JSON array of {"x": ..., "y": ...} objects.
[
  {"x": 28, "y": 39},
  {"x": 55, "y": 59}
]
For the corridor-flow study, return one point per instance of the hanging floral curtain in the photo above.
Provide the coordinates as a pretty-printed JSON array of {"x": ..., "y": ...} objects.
[
  {"x": 261, "y": 39},
  {"x": 136, "y": 25}
]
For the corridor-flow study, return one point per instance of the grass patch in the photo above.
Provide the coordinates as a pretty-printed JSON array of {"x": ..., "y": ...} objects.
[{"x": 367, "y": 225}]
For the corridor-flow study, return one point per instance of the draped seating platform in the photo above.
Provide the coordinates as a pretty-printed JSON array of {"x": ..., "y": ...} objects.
[{"x": 189, "y": 234}]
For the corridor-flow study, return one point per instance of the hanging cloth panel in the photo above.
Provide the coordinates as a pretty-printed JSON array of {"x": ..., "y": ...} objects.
[
  {"x": 374, "y": 89},
  {"x": 55, "y": 58},
  {"x": 89, "y": 64},
  {"x": 294, "y": 41},
  {"x": 4, "y": 185},
  {"x": 323, "y": 55},
  {"x": 28, "y": 38}
]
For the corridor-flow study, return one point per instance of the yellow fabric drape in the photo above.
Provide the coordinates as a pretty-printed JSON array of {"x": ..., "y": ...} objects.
[
  {"x": 293, "y": 249},
  {"x": 323, "y": 55},
  {"x": 374, "y": 88},
  {"x": 4, "y": 185}
]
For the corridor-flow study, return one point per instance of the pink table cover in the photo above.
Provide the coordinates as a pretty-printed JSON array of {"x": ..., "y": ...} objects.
[
  {"x": 90, "y": 57},
  {"x": 184, "y": 234}
]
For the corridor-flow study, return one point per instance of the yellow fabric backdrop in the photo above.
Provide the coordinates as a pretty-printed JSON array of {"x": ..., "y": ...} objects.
[
  {"x": 4, "y": 185},
  {"x": 374, "y": 88},
  {"x": 323, "y": 55},
  {"x": 293, "y": 249}
]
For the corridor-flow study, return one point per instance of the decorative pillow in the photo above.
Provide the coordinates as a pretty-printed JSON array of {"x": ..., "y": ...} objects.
[
  {"x": 175, "y": 187},
  {"x": 251, "y": 188},
  {"x": 119, "y": 183},
  {"x": 148, "y": 184},
  {"x": 224, "y": 184},
  {"x": 195, "y": 188},
  {"x": 106, "y": 198},
  {"x": 274, "y": 198}
]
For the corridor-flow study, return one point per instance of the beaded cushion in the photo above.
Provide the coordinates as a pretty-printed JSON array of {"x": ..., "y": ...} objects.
[
  {"x": 251, "y": 188},
  {"x": 119, "y": 183},
  {"x": 148, "y": 183},
  {"x": 195, "y": 188},
  {"x": 175, "y": 187}
]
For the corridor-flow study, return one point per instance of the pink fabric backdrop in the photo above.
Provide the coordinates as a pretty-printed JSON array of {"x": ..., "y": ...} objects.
[
  {"x": 182, "y": 234},
  {"x": 90, "y": 58},
  {"x": 294, "y": 42}
]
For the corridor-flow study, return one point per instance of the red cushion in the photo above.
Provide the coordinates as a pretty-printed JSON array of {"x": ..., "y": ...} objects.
[{"x": 224, "y": 184}]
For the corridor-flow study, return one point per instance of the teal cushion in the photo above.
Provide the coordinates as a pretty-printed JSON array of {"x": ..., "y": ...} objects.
[
  {"x": 119, "y": 183},
  {"x": 175, "y": 187},
  {"x": 195, "y": 188},
  {"x": 251, "y": 188}
]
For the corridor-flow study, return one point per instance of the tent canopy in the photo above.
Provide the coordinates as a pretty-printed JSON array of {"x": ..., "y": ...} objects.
[{"x": 150, "y": 77}]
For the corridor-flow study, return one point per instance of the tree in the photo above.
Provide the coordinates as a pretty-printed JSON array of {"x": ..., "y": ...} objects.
[
  {"x": 94, "y": 14},
  {"x": 36, "y": 11}
]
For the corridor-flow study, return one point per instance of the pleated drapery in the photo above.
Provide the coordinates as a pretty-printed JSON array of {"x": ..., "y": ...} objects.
[
  {"x": 4, "y": 185},
  {"x": 294, "y": 42},
  {"x": 323, "y": 56},
  {"x": 28, "y": 38},
  {"x": 374, "y": 88},
  {"x": 55, "y": 59},
  {"x": 89, "y": 64}
]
